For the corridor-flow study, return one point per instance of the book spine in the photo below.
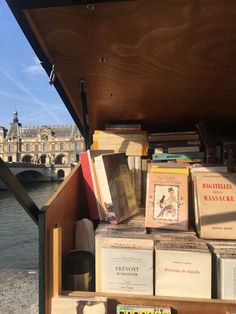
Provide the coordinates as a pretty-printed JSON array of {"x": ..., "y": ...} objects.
[
  {"x": 144, "y": 166},
  {"x": 183, "y": 149},
  {"x": 137, "y": 179},
  {"x": 130, "y": 160},
  {"x": 190, "y": 155},
  {"x": 89, "y": 186},
  {"x": 167, "y": 144}
]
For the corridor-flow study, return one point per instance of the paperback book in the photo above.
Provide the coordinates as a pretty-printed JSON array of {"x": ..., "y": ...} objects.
[
  {"x": 182, "y": 270},
  {"x": 216, "y": 203},
  {"x": 124, "y": 265},
  {"x": 116, "y": 190},
  {"x": 167, "y": 201}
]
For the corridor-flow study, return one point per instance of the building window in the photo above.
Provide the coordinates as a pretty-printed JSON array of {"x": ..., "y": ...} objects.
[
  {"x": 36, "y": 148},
  {"x": 27, "y": 147},
  {"x": 61, "y": 146},
  {"x": 44, "y": 147},
  {"x": 10, "y": 148},
  {"x": 53, "y": 147}
]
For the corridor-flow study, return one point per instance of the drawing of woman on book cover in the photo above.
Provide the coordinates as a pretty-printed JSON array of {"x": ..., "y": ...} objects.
[{"x": 166, "y": 202}]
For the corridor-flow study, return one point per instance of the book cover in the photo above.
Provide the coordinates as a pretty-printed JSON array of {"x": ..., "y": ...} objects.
[
  {"x": 115, "y": 187},
  {"x": 183, "y": 273},
  {"x": 201, "y": 168},
  {"x": 216, "y": 202},
  {"x": 167, "y": 201},
  {"x": 124, "y": 265},
  {"x": 142, "y": 309},
  {"x": 94, "y": 202},
  {"x": 227, "y": 276}
]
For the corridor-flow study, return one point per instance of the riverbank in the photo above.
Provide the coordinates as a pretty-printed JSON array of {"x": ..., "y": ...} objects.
[{"x": 18, "y": 291}]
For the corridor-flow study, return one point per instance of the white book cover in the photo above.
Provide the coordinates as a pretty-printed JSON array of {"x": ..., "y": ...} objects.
[
  {"x": 127, "y": 271},
  {"x": 128, "y": 246},
  {"x": 183, "y": 273},
  {"x": 227, "y": 280}
]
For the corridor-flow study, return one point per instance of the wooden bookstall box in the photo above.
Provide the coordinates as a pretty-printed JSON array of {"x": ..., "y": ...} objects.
[{"x": 168, "y": 64}]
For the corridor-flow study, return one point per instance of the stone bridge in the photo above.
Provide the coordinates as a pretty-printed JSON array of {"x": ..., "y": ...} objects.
[{"x": 28, "y": 172}]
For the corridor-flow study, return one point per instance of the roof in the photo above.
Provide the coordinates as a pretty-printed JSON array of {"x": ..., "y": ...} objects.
[{"x": 58, "y": 131}]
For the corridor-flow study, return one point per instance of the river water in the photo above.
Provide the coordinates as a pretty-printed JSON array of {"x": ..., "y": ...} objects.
[{"x": 18, "y": 232}]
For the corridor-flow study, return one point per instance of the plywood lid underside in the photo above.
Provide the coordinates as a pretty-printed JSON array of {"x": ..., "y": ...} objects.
[{"x": 168, "y": 63}]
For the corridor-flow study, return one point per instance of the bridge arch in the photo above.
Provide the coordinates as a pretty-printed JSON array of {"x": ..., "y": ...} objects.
[{"x": 29, "y": 175}]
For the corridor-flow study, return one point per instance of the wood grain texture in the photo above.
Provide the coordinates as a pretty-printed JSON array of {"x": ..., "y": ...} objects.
[
  {"x": 55, "y": 261},
  {"x": 178, "y": 305},
  {"x": 64, "y": 208},
  {"x": 167, "y": 63}
]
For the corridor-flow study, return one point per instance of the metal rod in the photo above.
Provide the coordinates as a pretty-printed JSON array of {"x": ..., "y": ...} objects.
[{"x": 84, "y": 106}]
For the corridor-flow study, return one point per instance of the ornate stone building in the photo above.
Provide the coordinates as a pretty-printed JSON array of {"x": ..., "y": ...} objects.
[{"x": 49, "y": 144}]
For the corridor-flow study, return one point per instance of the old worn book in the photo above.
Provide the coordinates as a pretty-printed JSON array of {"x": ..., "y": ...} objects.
[
  {"x": 216, "y": 203},
  {"x": 124, "y": 265},
  {"x": 182, "y": 270},
  {"x": 96, "y": 210},
  {"x": 116, "y": 190},
  {"x": 201, "y": 168},
  {"x": 167, "y": 201}
]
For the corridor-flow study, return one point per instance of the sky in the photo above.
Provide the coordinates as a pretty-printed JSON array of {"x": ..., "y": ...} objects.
[{"x": 24, "y": 84}]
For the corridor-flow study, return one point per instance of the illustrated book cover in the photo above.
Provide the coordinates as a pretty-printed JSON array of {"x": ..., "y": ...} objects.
[{"x": 167, "y": 201}]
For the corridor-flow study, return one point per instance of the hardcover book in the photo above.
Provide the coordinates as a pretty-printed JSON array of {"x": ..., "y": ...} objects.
[
  {"x": 216, "y": 203},
  {"x": 167, "y": 201},
  {"x": 117, "y": 193},
  {"x": 183, "y": 271},
  {"x": 124, "y": 265}
]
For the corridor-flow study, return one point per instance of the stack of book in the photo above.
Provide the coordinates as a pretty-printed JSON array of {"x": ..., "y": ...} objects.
[
  {"x": 133, "y": 143},
  {"x": 176, "y": 146},
  {"x": 224, "y": 269}
]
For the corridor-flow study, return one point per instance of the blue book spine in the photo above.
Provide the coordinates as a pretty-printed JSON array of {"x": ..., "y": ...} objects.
[{"x": 166, "y": 156}]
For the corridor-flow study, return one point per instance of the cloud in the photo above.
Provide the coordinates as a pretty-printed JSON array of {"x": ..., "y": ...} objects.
[
  {"x": 35, "y": 69},
  {"x": 34, "y": 100}
]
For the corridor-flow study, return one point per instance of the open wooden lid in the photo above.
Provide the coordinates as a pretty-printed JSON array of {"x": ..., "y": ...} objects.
[{"x": 166, "y": 63}]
